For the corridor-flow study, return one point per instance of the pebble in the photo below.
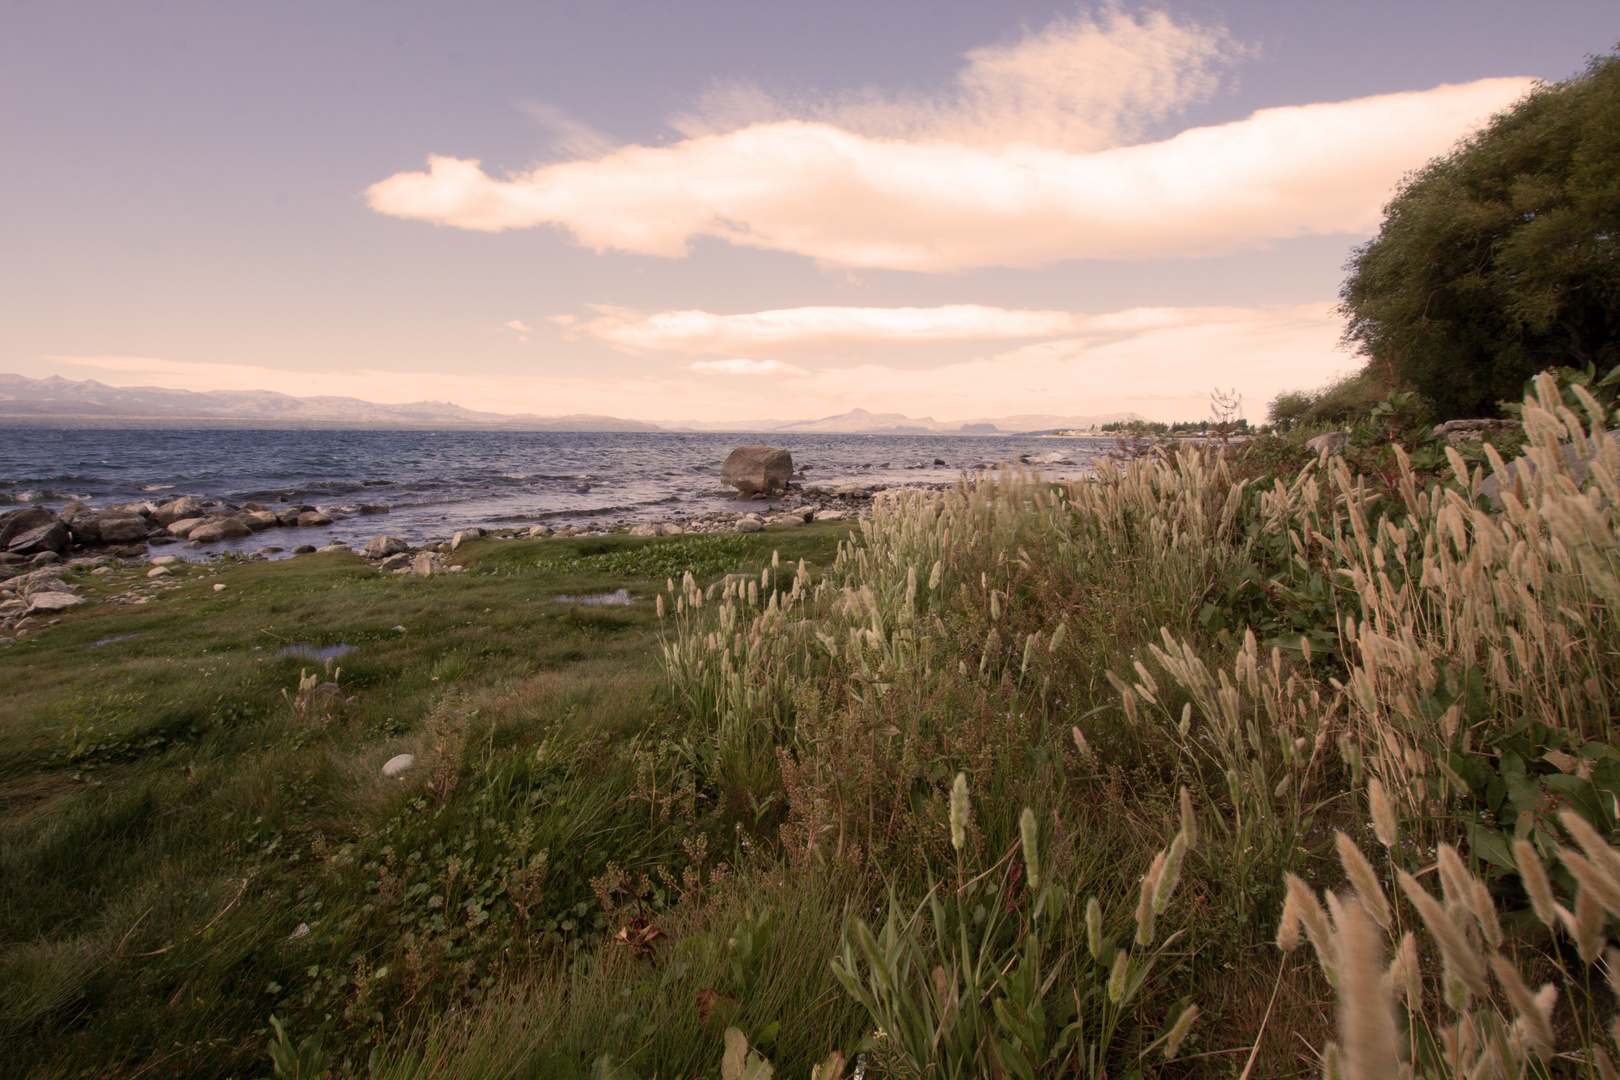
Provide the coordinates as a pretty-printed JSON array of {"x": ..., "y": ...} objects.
[
  {"x": 158, "y": 571},
  {"x": 219, "y": 588}
]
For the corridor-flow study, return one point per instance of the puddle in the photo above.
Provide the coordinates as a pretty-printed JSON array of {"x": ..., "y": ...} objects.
[
  {"x": 110, "y": 640},
  {"x": 317, "y": 652},
  {"x": 617, "y": 598}
]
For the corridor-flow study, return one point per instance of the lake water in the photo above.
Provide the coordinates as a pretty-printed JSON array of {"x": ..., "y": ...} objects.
[{"x": 435, "y": 482}]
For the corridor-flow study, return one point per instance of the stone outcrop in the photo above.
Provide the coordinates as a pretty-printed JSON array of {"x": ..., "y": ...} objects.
[
  {"x": 1332, "y": 442},
  {"x": 380, "y": 547},
  {"x": 757, "y": 470}
]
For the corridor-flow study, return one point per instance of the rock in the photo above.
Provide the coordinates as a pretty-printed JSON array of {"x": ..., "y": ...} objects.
[
  {"x": 830, "y": 515},
  {"x": 219, "y": 587},
  {"x": 787, "y": 520},
  {"x": 852, "y": 491},
  {"x": 370, "y": 508},
  {"x": 53, "y": 537},
  {"x": 646, "y": 529},
  {"x": 539, "y": 530},
  {"x": 288, "y": 515},
  {"x": 750, "y": 525},
  {"x": 399, "y": 764},
  {"x": 332, "y": 547},
  {"x": 121, "y": 528},
  {"x": 1331, "y": 443},
  {"x": 159, "y": 571},
  {"x": 669, "y": 528},
  {"x": 1523, "y": 467},
  {"x": 396, "y": 562},
  {"x": 425, "y": 563},
  {"x": 311, "y": 519},
  {"x": 219, "y": 529},
  {"x": 464, "y": 536},
  {"x": 176, "y": 510},
  {"x": 258, "y": 520},
  {"x": 304, "y": 549},
  {"x": 45, "y": 558},
  {"x": 757, "y": 469},
  {"x": 21, "y": 521},
  {"x": 380, "y": 547},
  {"x": 269, "y": 551},
  {"x": 52, "y": 601},
  {"x": 165, "y": 560},
  {"x": 1455, "y": 431},
  {"x": 182, "y": 529}
]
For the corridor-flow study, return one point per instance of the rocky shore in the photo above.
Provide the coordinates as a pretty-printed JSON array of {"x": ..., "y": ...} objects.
[{"x": 41, "y": 549}]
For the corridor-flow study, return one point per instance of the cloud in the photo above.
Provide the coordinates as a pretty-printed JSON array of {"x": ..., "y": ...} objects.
[
  {"x": 516, "y": 324},
  {"x": 745, "y": 367},
  {"x": 1078, "y": 84},
  {"x": 1031, "y": 157},
  {"x": 809, "y": 329},
  {"x": 842, "y": 198},
  {"x": 1161, "y": 362}
]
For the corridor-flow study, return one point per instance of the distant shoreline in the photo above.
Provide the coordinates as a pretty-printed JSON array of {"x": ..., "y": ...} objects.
[{"x": 215, "y": 423}]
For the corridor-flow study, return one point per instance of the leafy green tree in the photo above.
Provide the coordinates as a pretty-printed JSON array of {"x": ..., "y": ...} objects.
[{"x": 1503, "y": 258}]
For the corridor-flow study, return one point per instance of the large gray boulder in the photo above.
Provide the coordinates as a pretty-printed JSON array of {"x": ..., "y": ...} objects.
[
  {"x": 120, "y": 528},
  {"x": 213, "y": 532},
  {"x": 177, "y": 509},
  {"x": 311, "y": 519},
  {"x": 464, "y": 536},
  {"x": 182, "y": 528},
  {"x": 380, "y": 547},
  {"x": 756, "y": 469},
  {"x": 21, "y": 521},
  {"x": 53, "y": 537},
  {"x": 258, "y": 520}
]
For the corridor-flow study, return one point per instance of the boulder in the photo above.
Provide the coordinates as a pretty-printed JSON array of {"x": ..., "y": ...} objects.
[
  {"x": 380, "y": 547},
  {"x": 212, "y": 532},
  {"x": 53, "y": 537},
  {"x": 754, "y": 470},
  {"x": 463, "y": 536},
  {"x": 253, "y": 507},
  {"x": 396, "y": 562},
  {"x": 1331, "y": 443},
  {"x": 750, "y": 525},
  {"x": 21, "y": 521},
  {"x": 539, "y": 530},
  {"x": 165, "y": 560},
  {"x": 310, "y": 519},
  {"x": 182, "y": 528},
  {"x": 852, "y": 491},
  {"x": 258, "y": 520},
  {"x": 830, "y": 515},
  {"x": 669, "y": 528},
  {"x": 288, "y": 515},
  {"x": 117, "y": 528},
  {"x": 159, "y": 571},
  {"x": 304, "y": 549},
  {"x": 372, "y": 508},
  {"x": 425, "y": 563},
  {"x": 646, "y": 529},
  {"x": 52, "y": 601},
  {"x": 177, "y": 509},
  {"x": 83, "y": 523},
  {"x": 399, "y": 765}
]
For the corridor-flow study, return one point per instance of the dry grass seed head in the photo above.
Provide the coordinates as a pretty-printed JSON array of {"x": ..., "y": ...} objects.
[
  {"x": 1366, "y": 1019},
  {"x": 1144, "y": 903},
  {"x": 1383, "y": 813},
  {"x": 1537, "y": 1022},
  {"x": 1310, "y": 915},
  {"x": 1593, "y": 878},
  {"x": 1534, "y": 876},
  {"x": 1189, "y": 824},
  {"x": 1460, "y": 960},
  {"x": 1365, "y": 880}
]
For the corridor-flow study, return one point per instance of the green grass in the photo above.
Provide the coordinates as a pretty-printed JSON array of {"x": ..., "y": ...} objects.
[{"x": 173, "y": 810}]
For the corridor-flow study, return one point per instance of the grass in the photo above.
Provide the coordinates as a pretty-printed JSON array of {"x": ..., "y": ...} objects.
[
  {"x": 174, "y": 810},
  {"x": 1022, "y": 779}
]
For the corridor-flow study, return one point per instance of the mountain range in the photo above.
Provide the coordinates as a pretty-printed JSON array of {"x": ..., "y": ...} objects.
[{"x": 57, "y": 401}]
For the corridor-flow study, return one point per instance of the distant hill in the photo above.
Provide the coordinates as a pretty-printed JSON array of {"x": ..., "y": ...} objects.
[{"x": 55, "y": 400}]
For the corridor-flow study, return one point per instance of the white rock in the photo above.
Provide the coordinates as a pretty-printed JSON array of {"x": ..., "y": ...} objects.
[
  {"x": 645, "y": 529},
  {"x": 1331, "y": 443},
  {"x": 219, "y": 588},
  {"x": 749, "y": 525},
  {"x": 463, "y": 536},
  {"x": 53, "y": 601},
  {"x": 399, "y": 764},
  {"x": 539, "y": 530},
  {"x": 164, "y": 560},
  {"x": 159, "y": 571},
  {"x": 669, "y": 528},
  {"x": 830, "y": 515}
]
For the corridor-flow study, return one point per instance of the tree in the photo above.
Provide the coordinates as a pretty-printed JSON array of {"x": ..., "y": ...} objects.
[{"x": 1503, "y": 258}]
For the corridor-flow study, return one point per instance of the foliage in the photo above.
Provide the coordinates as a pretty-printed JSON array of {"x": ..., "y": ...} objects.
[{"x": 1499, "y": 260}]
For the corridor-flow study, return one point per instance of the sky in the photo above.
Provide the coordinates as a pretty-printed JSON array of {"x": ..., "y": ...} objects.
[{"x": 710, "y": 210}]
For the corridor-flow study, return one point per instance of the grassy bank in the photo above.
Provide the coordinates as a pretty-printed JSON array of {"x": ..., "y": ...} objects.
[{"x": 1024, "y": 779}]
